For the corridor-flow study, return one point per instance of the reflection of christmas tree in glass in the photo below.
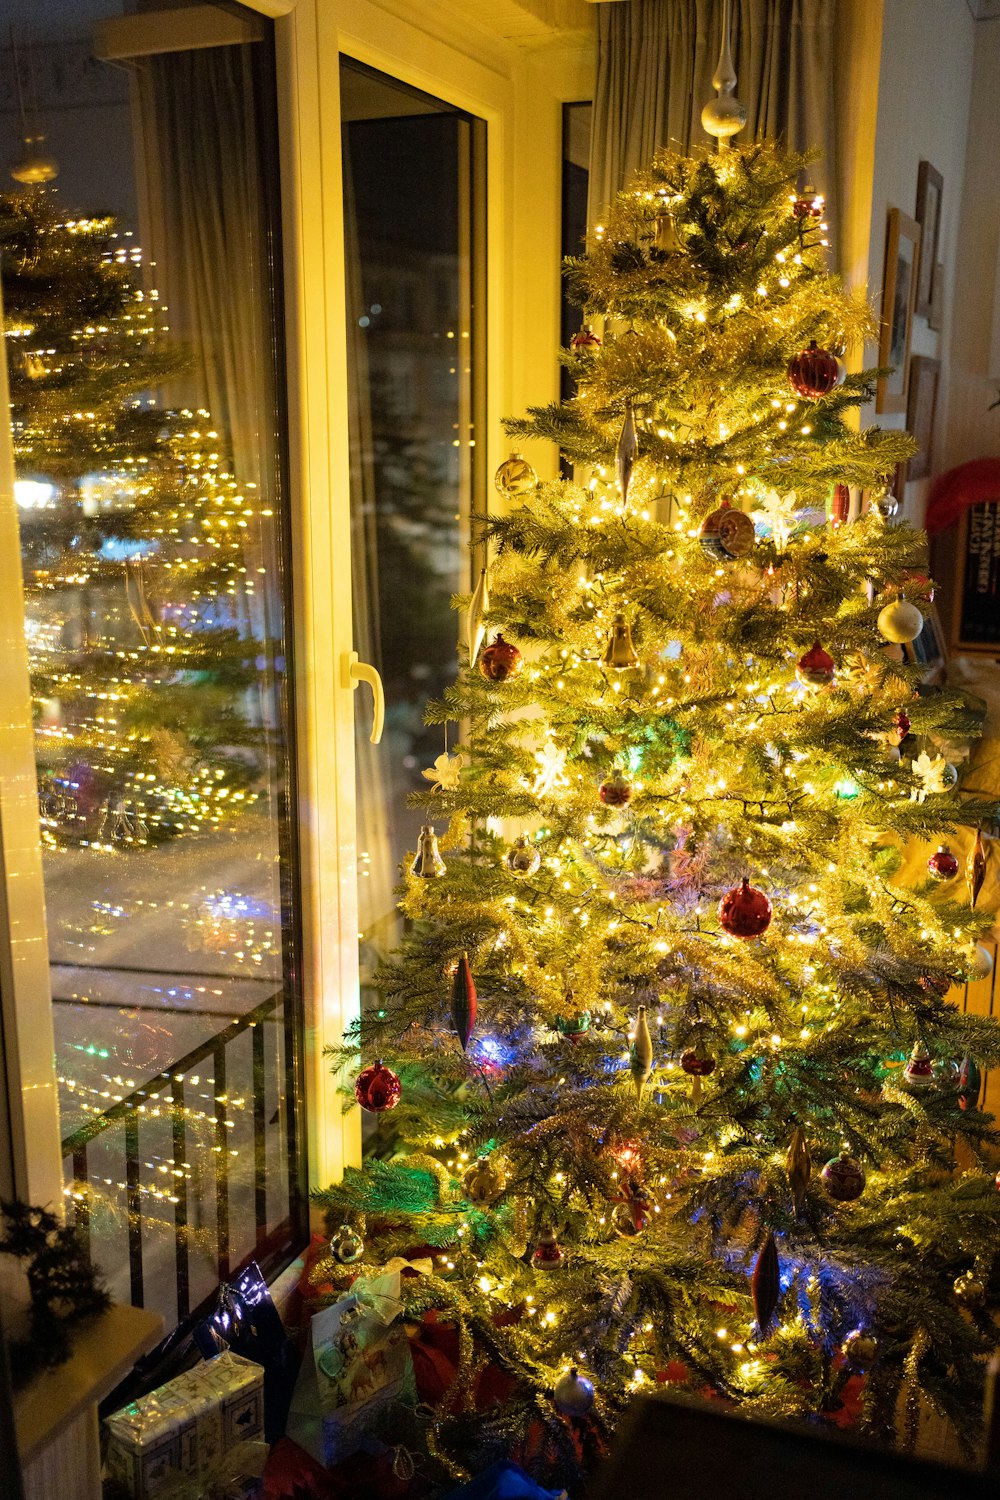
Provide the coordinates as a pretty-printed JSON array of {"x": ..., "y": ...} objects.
[
  {"x": 680, "y": 1073},
  {"x": 139, "y": 549}
]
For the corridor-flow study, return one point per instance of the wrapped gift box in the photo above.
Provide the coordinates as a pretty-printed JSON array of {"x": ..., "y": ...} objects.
[{"x": 203, "y": 1427}]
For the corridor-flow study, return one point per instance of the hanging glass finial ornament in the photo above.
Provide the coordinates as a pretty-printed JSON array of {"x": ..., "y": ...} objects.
[
  {"x": 725, "y": 115},
  {"x": 627, "y": 451}
]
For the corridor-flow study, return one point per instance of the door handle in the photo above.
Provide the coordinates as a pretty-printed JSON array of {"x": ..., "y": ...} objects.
[{"x": 352, "y": 672}]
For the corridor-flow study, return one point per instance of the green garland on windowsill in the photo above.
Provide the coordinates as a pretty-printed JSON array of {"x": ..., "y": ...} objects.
[{"x": 64, "y": 1286}]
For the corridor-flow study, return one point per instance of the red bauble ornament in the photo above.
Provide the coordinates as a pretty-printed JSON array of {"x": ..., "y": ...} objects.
[
  {"x": 808, "y": 205},
  {"x": 697, "y": 1062},
  {"x": 843, "y": 1178},
  {"x": 817, "y": 666},
  {"x": 548, "y": 1253},
  {"x": 463, "y": 1001},
  {"x": 501, "y": 661},
  {"x": 631, "y": 1214},
  {"x": 616, "y": 791},
  {"x": 584, "y": 340},
  {"x": 935, "y": 984},
  {"x": 377, "y": 1088},
  {"x": 901, "y": 724},
  {"x": 943, "y": 865},
  {"x": 919, "y": 1070},
  {"x": 727, "y": 533},
  {"x": 813, "y": 372},
  {"x": 745, "y": 912}
]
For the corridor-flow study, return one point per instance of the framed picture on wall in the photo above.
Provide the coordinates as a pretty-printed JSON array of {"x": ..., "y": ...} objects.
[
  {"x": 899, "y": 286},
  {"x": 924, "y": 376},
  {"x": 930, "y": 187},
  {"x": 936, "y": 316}
]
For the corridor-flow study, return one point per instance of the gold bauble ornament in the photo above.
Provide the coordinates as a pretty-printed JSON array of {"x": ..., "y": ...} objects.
[
  {"x": 483, "y": 1183},
  {"x": 515, "y": 476},
  {"x": 969, "y": 1290}
]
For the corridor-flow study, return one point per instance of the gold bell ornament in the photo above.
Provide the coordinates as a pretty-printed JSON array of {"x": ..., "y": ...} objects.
[
  {"x": 428, "y": 864},
  {"x": 620, "y": 653},
  {"x": 665, "y": 233}
]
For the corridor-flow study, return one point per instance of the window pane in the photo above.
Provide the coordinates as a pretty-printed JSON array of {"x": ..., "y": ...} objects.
[
  {"x": 412, "y": 187},
  {"x": 141, "y": 280}
]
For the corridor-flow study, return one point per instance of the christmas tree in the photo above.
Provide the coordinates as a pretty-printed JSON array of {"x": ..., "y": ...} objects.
[
  {"x": 140, "y": 549},
  {"x": 677, "y": 1089}
]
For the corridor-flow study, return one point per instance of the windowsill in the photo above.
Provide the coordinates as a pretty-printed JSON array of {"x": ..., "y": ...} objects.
[{"x": 105, "y": 1349}]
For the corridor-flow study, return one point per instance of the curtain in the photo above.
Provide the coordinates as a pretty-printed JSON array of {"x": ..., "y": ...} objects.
[
  {"x": 655, "y": 63},
  {"x": 204, "y": 131}
]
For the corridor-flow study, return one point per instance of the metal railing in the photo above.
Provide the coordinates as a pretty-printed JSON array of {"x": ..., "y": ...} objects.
[{"x": 164, "y": 1094}]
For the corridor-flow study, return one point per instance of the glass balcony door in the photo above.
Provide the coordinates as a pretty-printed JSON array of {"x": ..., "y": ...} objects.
[
  {"x": 142, "y": 289},
  {"x": 414, "y": 243}
]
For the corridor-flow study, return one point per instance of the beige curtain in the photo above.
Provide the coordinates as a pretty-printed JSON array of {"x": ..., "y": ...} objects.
[{"x": 654, "y": 73}]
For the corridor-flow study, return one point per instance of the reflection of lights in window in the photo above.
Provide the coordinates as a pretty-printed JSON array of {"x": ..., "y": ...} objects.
[
  {"x": 364, "y": 321},
  {"x": 33, "y": 494}
]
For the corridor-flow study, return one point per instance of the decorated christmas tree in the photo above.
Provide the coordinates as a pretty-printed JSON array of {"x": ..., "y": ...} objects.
[
  {"x": 140, "y": 548},
  {"x": 678, "y": 1089}
]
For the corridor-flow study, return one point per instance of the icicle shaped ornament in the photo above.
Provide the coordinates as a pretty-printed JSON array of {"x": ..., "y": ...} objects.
[
  {"x": 475, "y": 616},
  {"x": 627, "y": 451},
  {"x": 641, "y": 1054},
  {"x": 463, "y": 1001}
]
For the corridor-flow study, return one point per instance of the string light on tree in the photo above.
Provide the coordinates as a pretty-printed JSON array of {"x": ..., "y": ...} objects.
[{"x": 674, "y": 860}]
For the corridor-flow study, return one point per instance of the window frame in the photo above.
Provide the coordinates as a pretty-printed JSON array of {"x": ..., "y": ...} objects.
[{"x": 519, "y": 95}]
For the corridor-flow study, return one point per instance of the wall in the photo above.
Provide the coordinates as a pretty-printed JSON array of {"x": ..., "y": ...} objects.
[
  {"x": 972, "y": 430},
  {"x": 926, "y": 84}
]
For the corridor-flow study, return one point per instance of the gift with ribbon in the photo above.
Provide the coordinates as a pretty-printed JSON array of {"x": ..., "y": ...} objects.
[
  {"x": 356, "y": 1388},
  {"x": 201, "y": 1434}
]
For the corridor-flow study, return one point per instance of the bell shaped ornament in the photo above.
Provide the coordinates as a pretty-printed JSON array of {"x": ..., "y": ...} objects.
[
  {"x": 428, "y": 864},
  {"x": 620, "y": 653},
  {"x": 665, "y": 233}
]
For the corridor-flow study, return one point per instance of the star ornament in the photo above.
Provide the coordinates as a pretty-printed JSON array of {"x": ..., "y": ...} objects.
[
  {"x": 778, "y": 516},
  {"x": 445, "y": 771}
]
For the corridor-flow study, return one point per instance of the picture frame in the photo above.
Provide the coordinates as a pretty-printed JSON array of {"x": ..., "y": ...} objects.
[
  {"x": 929, "y": 649},
  {"x": 930, "y": 190},
  {"x": 936, "y": 317},
  {"x": 899, "y": 288},
  {"x": 921, "y": 407}
]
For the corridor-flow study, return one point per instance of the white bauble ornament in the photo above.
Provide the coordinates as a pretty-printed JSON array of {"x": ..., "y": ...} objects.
[{"x": 900, "y": 621}]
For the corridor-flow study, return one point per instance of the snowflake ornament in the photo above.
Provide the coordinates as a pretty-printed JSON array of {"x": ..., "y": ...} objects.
[{"x": 445, "y": 771}]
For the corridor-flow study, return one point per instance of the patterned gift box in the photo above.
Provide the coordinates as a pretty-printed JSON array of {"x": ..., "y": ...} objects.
[{"x": 184, "y": 1434}]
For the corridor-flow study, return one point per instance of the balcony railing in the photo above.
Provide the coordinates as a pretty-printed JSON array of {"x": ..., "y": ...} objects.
[{"x": 169, "y": 1180}]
